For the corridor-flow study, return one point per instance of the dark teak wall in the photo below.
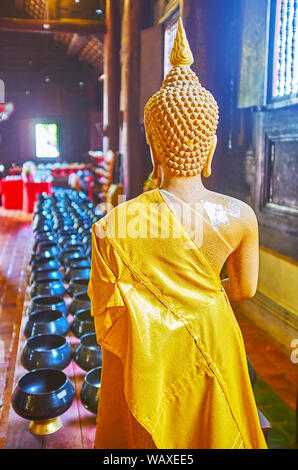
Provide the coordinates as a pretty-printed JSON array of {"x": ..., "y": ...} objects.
[
  {"x": 43, "y": 82},
  {"x": 214, "y": 32}
]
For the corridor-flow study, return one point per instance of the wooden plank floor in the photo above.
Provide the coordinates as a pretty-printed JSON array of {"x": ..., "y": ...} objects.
[
  {"x": 78, "y": 429},
  {"x": 273, "y": 365},
  {"x": 15, "y": 249}
]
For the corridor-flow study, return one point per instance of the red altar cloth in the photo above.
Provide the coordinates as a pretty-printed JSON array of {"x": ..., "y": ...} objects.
[
  {"x": 59, "y": 171},
  {"x": 12, "y": 193},
  {"x": 15, "y": 171},
  {"x": 31, "y": 191},
  {"x": 20, "y": 195}
]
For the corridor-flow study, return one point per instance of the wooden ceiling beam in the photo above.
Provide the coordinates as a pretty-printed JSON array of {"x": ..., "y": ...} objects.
[{"x": 65, "y": 25}]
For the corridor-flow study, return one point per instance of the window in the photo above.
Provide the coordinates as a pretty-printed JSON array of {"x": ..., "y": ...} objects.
[
  {"x": 285, "y": 53},
  {"x": 46, "y": 140},
  {"x": 268, "y": 85},
  {"x": 280, "y": 163},
  {"x": 169, "y": 37}
]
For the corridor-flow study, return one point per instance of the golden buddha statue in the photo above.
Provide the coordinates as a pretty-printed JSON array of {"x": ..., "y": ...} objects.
[{"x": 174, "y": 372}]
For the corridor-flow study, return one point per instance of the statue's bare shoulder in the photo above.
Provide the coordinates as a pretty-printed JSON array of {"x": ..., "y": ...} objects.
[{"x": 236, "y": 216}]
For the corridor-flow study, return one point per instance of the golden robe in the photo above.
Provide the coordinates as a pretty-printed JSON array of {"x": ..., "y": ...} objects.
[{"x": 175, "y": 373}]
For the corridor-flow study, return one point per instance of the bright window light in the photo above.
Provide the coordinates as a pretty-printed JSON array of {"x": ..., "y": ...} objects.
[
  {"x": 285, "y": 70},
  {"x": 169, "y": 37},
  {"x": 46, "y": 140}
]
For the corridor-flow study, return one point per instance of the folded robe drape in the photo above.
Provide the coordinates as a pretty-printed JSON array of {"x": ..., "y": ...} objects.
[{"x": 175, "y": 372}]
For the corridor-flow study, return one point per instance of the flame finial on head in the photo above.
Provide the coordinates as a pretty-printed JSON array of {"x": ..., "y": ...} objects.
[
  {"x": 181, "y": 55},
  {"x": 181, "y": 118}
]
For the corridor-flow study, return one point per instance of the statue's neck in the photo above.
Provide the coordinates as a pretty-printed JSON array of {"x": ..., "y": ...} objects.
[{"x": 188, "y": 189}]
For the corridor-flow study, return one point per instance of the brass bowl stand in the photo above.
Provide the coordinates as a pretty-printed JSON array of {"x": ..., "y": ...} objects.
[{"x": 45, "y": 427}]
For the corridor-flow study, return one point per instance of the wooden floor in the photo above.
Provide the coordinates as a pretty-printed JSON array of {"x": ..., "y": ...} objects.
[
  {"x": 78, "y": 430},
  {"x": 273, "y": 365},
  {"x": 79, "y": 425},
  {"x": 15, "y": 249}
]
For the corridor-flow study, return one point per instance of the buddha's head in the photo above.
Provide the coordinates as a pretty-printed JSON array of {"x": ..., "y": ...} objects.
[{"x": 181, "y": 118}]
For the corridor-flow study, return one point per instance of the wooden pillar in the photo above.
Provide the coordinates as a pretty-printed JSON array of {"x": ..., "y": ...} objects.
[
  {"x": 94, "y": 115},
  {"x": 196, "y": 21},
  {"x": 112, "y": 76},
  {"x": 206, "y": 23},
  {"x": 130, "y": 135},
  {"x": 52, "y": 9}
]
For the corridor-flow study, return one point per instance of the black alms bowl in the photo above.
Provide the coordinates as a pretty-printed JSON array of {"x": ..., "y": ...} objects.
[
  {"x": 47, "y": 302},
  {"x": 83, "y": 323},
  {"x": 50, "y": 247},
  {"x": 46, "y": 322},
  {"x": 46, "y": 273},
  {"x": 44, "y": 226},
  {"x": 74, "y": 243},
  {"x": 74, "y": 271},
  {"x": 90, "y": 390},
  {"x": 46, "y": 351},
  {"x": 44, "y": 237},
  {"x": 72, "y": 246},
  {"x": 77, "y": 285},
  {"x": 79, "y": 262},
  {"x": 70, "y": 255},
  {"x": 42, "y": 262},
  {"x": 45, "y": 255},
  {"x": 81, "y": 301},
  {"x": 88, "y": 354},
  {"x": 42, "y": 394},
  {"x": 47, "y": 286},
  {"x": 65, "y": 238}
]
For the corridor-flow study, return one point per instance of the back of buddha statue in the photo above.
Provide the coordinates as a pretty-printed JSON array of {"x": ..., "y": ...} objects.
[
  {"x": 181, "y": 122},
  {"x": 172, "y": 348},
  {"x": 219, "y": 225}
]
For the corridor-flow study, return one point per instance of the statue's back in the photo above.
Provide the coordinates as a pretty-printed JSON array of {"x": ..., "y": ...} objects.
[{"x": 222, "y": 227}]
